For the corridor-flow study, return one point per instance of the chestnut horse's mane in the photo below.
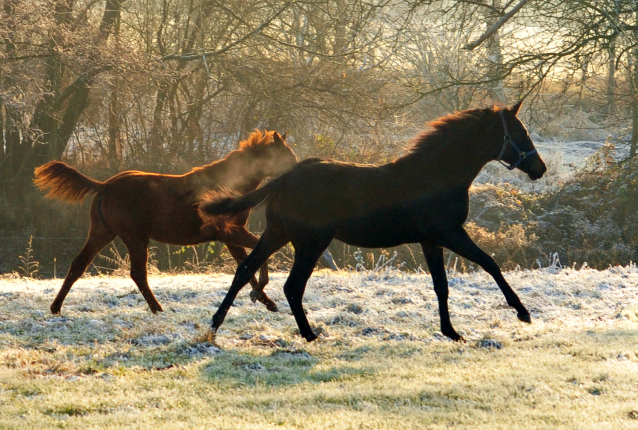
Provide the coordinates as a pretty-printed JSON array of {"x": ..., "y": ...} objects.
[
  {"x": 257, "y": 138},
  {"x": 448, "y": 127}
]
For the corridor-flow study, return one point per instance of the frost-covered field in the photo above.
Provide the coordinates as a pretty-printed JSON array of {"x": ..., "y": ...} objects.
[{"x": 380, "y": 361}]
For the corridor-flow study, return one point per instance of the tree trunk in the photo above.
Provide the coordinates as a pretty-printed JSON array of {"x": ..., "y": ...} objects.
[
  {"x": 634, "y": 97},
  {"x": 55, "y": 116},
  {"x": 494, "y": 54},
  {"x": 611, "y": 79}
]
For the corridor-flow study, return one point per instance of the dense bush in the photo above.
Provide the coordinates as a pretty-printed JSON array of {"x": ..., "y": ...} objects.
[{"x": 591, "y": 218}]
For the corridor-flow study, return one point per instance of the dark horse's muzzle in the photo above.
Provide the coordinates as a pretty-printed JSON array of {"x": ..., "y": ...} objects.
[{"x": 534, "y": 167}]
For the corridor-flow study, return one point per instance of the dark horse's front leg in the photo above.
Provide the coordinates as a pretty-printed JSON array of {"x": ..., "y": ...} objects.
[
  {"x": 459, "y": 242},
  {"x": 267, "y": 245},
  {"x": 257, "y": 294},
  {"x": 236, "y": 241},
  {"x": 434, "y": 258}
]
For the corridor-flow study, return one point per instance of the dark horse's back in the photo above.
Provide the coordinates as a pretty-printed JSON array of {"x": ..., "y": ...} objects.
[{"x": 365, "y": 205}]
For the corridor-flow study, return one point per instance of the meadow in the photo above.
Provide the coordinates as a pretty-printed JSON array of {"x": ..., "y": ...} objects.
[{"x": 380, "y": 361}]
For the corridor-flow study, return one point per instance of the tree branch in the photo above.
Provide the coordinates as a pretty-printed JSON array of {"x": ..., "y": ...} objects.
[
  {"x": 192, "y": 57},
  {"x": 498, "y": 24}
]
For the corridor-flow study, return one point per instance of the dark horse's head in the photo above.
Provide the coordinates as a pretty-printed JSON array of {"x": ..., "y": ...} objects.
[
  {"x": 517, "y": 148},
  {"x": 268, "y": 154}
]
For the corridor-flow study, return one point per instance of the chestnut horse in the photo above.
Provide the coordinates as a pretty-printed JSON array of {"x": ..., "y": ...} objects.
[
  {"x": 138, "y": 206},
  {"x": 421, "y": 197}
]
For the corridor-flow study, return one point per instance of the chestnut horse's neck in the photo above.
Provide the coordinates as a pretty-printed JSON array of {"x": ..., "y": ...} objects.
[{"x": 237, "y": 171}]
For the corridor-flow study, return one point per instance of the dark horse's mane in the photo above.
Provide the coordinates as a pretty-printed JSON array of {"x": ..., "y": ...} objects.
[{"x": 451, "y": 126}]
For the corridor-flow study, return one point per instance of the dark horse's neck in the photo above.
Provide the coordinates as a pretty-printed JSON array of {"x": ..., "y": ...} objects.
[
  {"x": 454, "y": 151},
  {"x": 237, "y": 171}
]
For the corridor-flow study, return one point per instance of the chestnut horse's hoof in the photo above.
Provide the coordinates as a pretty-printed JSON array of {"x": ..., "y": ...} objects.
[
  {"x": 525, "y": 317},
  {"x": 156, "y": 308},
  {"x": 271, "y": 306},
  {"x": 255, "y": 295},
  {"x": 260, "y": 296}
]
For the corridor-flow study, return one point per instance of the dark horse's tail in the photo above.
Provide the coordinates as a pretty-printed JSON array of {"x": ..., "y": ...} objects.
[
  {"x": 65, "y": 183},
  {"x": 228, "y": 202}
]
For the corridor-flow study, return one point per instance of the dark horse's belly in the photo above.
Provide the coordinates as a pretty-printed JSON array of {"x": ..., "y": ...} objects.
[
  {"x": 420, "y": 221},
  {"x": 381, "y": 230}
]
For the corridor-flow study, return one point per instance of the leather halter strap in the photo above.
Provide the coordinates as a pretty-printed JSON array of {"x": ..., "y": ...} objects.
[{"x": 507, "y": 139}]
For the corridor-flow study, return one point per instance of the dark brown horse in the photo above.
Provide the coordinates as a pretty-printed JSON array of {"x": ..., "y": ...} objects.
[
  {"x": 421, "y": 197},
  {"x": 138, "y": 206}
]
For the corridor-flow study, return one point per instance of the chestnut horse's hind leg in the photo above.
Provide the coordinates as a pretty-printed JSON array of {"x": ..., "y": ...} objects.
[
  {"x": 138, "y": 254},
  {"x": 257, "y": 294},
  {"x": 460, "y": 243},
  {"x": 434, "y": 258},
  {"x": 99, "y": 236}
]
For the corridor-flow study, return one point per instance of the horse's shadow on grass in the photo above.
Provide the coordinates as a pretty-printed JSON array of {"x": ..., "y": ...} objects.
[
  {"x": 233, "y": 367},
  {"x": 95, "y": 345}
]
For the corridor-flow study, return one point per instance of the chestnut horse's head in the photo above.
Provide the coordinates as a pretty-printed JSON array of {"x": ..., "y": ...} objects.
[
  {"x": 268, "y": 153},
  {"x": 517, "y": 148}
]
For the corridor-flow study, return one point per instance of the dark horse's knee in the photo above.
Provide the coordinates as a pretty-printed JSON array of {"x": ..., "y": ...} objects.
[{"x": 244, "y": 274}]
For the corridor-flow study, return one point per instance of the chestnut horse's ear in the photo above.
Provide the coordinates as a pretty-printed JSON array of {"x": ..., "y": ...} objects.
[
  {"x": 514, "y": 109},
  {"x": 277, "y": 139},
  {"x": 284, "y": 136}
]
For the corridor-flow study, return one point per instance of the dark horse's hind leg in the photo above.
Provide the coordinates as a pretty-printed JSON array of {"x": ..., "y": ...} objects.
[
  {"x": 257, "y": 294},
  {"x": 99, "y": 236},
  {"x": 236, "y": 241},
  {"x": 268, "y": 244},
  {"x": 138, "y": 253},
  {"x": 460, "y": 243},
  {"x": 434, "y": 258},
  {"x": 306, "y": 256}
]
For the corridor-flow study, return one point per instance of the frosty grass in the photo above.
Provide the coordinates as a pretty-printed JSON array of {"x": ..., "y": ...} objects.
[{"x": 379, "y": 362}]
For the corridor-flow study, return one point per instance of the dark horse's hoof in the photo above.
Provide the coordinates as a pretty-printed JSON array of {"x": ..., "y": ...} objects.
[
  {"x": 310, "y": 337},
  {"x": 55, "y": 309},
  {"x": 525, "y": 317},
  {"x": 453, "y": 335}
]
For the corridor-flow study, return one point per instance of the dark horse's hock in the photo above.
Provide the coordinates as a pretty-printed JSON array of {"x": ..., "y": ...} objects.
[
  {"x": 421, "y": 197},
  {"x": 138, "y": 206}
]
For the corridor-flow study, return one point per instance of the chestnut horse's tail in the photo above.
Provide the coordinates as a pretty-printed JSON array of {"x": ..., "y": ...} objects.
[
  {"x": 229, "y": 202},
  {"x": 65, "y": 183}
]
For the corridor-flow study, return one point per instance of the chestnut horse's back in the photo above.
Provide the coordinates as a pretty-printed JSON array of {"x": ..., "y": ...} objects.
[{"x": 65, "y": 183}]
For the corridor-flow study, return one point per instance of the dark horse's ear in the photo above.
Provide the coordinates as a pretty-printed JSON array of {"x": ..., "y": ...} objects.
[{"x": 514, "y": 109}]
